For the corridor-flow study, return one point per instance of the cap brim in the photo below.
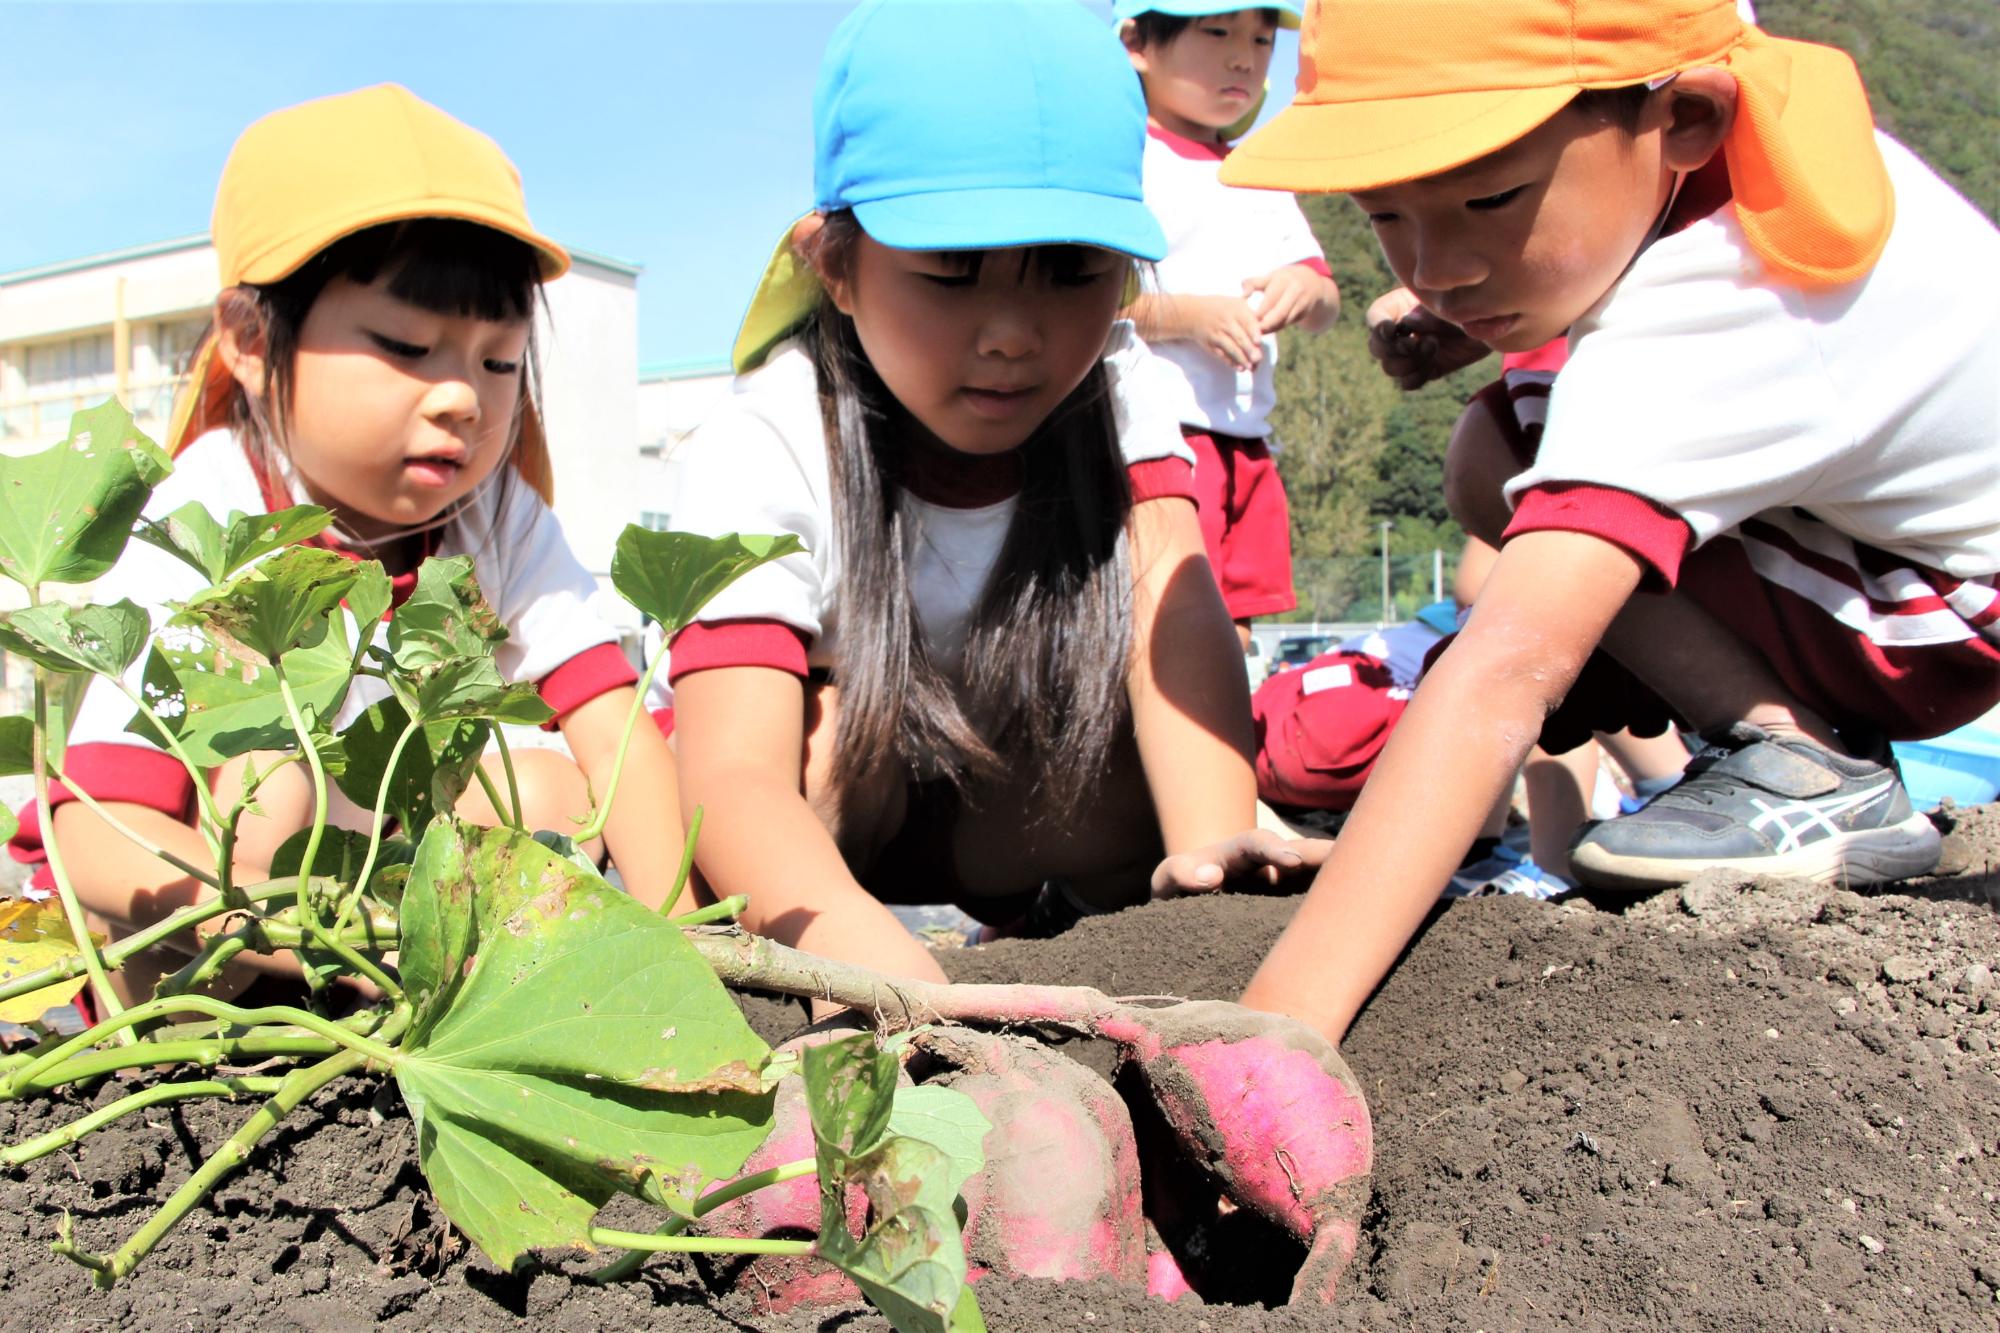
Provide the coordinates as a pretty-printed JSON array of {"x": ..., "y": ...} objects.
[
  {"x": 281, "y": 261},
  {"x": 785, "y": 295},
  {"x": 1337, "y": 147},
  {"x": 1288, "y": 17},
  {"x": 998, "y": 218}
]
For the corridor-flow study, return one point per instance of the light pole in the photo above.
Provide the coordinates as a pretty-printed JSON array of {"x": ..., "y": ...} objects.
[{"x": 1385, "y": 571}]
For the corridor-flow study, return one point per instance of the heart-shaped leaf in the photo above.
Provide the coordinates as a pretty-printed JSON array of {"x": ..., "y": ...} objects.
[
  {"x": 67, "y": 512},
  {"x": 434, "y": 769},
  {"x": 445, "y": 618},
  {"x": 217, "y": 550},
  {"x": 220, "y": 704},
  {"x": 103, "y": 640},
  {"x": 671, "y": 575},
  {"x": 278, "y": 604}
]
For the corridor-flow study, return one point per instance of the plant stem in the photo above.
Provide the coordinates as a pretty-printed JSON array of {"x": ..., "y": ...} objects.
[
  {"x": 513, "y": 785},
  {"x": 753, "y": 962},
  {"x": 197, "y": 1004},
  {"x": 79, "y": 926},
  {"x": 141, "y": 940},
  {"x": 294, "y": 1088},
  {"x": 308, "y": 907},
  {"x": 643, "y": 1240},
  {"x": 687, "y": 865},
  {"x": 211, "y": 817},
  {"x": 626, "y": 1264},
  {"x": 90, "y": 802},
  {"x": 353, "y": 897},
  {"x": 205, "y": 1052},
  {"x": 728, "y": 909},
  {"x": 599, "y": 816},
  {"x": 493, "y": 798},
  {"x": 44, "y": 1144}
]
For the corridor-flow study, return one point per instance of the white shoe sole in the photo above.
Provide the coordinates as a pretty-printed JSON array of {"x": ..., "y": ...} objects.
[{"x": 1872, "y": 856}]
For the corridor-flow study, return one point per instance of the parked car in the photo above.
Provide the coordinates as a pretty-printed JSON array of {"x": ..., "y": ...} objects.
[{"x": 1298, "y": 649}]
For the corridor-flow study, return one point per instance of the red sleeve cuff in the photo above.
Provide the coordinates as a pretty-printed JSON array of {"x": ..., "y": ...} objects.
[
  {"x": 765, "y": 643},
  {"x": 1317, "y": 265},
  {"x": 1162, "y": 478},
  {"x": 590, "y": 673},
  {"x": 109, "y": 771},
  {"x": 1657, "y": 536}
]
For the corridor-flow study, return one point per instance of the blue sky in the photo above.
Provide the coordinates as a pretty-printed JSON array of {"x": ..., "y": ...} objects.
[{"x": 674, "y": 134}]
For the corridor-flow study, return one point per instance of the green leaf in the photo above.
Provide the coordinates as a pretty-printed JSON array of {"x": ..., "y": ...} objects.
[
  {"x": 368, "y": 600},
  {"x": 671, "y": 575},
  {"x": 341, "y": 854},
  {"x": 568, "y": 1046},
  {"x": 217, "y": 551},
  {"x": 65, "y": 693},
  {"x": 467, "y": 687},
  {"x": 278, "y": 604},
  {"x": 34, "y": 936},
  {"x": 445, "y": 617},
  {"x": 850, "y": 1091},
  {"x": 220, "y": 703},
  {"x": 911, "y": 1260},
  {"x": 17, "y": 746},
  {"x": 435, "y": 767},
  {"x": 949, "y": 1121},
  {"x": 9, "y": 825},
  {"x": 66, "y": 513},
  {"x": 99, "y": 639}
]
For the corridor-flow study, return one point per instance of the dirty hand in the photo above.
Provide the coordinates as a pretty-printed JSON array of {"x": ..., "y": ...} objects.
[
  {"x": 1261, "y": 852},
  {"x": 1294, "y": 294},
  {"x": 1414, "y": 346},
  {"x": 1225, "y": 325}
]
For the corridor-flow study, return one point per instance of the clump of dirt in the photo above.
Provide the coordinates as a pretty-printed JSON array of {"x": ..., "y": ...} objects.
[{"x": 1745, "y": 1103}]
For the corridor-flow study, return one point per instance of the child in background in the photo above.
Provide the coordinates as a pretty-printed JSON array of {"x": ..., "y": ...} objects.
[
  {"x": 372, "y": 352},
  {"x": 1773, "y": 506},
  {"x": 1002, "y": 660},
  {"x": 1241, "y": 265}
]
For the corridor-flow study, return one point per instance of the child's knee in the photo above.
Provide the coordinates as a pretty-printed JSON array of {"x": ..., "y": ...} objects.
[{"x": 1477, "y": 466}]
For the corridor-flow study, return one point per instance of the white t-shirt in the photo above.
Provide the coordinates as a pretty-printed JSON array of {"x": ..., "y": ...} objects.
[
  {"x": 758, "y": 464},
  {"x": 523, "y": 564},
  {"x": 1874, "y": 406},
  {"x": 1217, "y": 236}
]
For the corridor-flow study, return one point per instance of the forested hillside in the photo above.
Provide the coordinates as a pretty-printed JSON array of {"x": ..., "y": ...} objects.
[{"x": 1357, "y": 451}]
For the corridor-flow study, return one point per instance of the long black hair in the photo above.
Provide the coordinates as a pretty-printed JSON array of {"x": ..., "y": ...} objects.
[{"x": 1046, "y": 654}]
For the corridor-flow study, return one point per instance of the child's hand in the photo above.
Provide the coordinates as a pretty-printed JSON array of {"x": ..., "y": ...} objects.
[
  {"x": 1225, "y": 325},
  {"x": 1256, "y": 852},
  {"x": 1294, "y": 294},
  {"x": 1414, "y": 346}
]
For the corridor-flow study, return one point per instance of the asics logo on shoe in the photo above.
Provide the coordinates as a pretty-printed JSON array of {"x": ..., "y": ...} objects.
[{"x": 1814, "y": 819}]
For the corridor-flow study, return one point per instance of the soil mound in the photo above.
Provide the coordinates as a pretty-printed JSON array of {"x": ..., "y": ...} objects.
[{"x": 1748, "y": 1103}]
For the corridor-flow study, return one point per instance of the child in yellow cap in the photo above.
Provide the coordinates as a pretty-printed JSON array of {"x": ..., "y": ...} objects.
[
  {"x": 1768, "y": 484},
  {"x": 1241, "y": 266},
  {"x": 372, "y": 352}
]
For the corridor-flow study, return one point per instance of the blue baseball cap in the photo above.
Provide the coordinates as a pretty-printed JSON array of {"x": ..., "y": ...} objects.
[
  {"x": 968, "y": 125},
  {"x": 1288, "y": 10}
]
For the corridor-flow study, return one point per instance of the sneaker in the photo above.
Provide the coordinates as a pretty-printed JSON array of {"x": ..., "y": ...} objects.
[
  {"x": 1470, "y": 880},
  {"x": 1766, "y": 805},
  {"x": 1526, "y": 880}
]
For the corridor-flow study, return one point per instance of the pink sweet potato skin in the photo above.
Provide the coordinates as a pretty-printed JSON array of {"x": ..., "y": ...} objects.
[
  {"x": 1268, "y": 1106},
  {"x": 1059, "y": 1194}
]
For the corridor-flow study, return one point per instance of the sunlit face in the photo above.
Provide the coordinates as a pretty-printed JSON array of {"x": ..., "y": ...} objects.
[
  {"x": 1516, "y": 246},
  {"x": 1209, "y": 75},
  {"x": 397, "y": 411},
  {"x": 981, "y": 345}
]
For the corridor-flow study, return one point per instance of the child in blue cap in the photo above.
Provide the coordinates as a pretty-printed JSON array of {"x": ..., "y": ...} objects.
[
  {"x": 1241, "y": 266},
  {"x": 1001, "y": 675}
]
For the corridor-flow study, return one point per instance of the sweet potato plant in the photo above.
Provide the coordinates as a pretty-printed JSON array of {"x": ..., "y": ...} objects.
[{"x": 557, "y": 1043}]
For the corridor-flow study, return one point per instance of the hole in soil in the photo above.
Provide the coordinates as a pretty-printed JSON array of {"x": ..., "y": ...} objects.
[{"x": 286, "y": 1258}]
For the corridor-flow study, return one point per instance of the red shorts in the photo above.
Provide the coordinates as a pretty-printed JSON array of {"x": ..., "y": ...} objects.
[
  {"x": 1883, "y": 648},
  {"x": 1320, "y": 728},
  {"x": 1245, "y": 523}
]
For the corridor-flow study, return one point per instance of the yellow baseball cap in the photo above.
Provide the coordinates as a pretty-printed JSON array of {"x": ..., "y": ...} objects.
[
  {"x": 1392, "y": 91},
  {"x": 302, "y": 178}
]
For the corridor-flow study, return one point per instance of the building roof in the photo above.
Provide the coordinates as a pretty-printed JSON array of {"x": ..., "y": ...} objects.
[
  {"x": 684, "y": 368},
  {"x": 629, "y": 268}
]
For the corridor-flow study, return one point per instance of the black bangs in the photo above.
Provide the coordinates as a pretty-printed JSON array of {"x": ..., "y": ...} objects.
[{"x": 442, "y": 265}]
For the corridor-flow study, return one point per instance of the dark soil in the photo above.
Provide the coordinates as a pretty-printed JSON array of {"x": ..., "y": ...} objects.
[{"x": 1745, "y": 1104}]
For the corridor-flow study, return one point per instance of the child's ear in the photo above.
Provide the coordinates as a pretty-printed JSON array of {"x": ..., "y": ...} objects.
[
  {"x": 1128, "y": 33},
  {"x": 1701, "y": 108},
  {"x": 832, "y": 274},
  {"x": 241, "y": 343}
]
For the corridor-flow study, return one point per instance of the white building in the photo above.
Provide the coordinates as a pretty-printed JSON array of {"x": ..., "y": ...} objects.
[{"x": 123, "y": 324}]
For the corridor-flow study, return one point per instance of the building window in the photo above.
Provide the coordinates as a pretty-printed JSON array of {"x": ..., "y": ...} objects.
[{"x": 655, "y": 520}]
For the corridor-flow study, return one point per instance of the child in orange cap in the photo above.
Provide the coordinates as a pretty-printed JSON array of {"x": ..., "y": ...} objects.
[
  {"x": 1241, "y": 266},
  {"x": 372, "y": 351},
  {"x": 1775, "y": 508}
]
